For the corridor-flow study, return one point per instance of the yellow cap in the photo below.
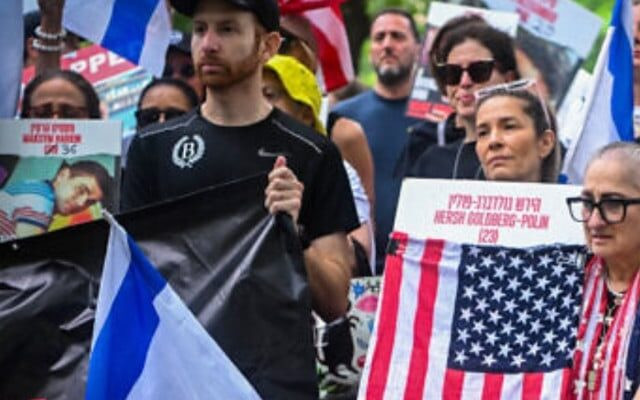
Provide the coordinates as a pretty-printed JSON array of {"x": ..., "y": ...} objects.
[{"x": 300, "y": 84}]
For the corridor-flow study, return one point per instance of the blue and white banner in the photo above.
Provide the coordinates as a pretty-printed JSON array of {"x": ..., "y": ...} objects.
[
  {"x": 11, "y": 43},
  {"x": 136, "y": 30},
  {"x": 608, "y": 112},
  {"x": 146, "y": 343}
]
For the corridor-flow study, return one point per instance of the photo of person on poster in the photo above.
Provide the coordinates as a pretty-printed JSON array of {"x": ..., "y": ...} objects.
[{"x": 28, "y": 206}]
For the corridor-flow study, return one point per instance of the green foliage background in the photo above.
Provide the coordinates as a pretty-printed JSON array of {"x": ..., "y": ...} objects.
[{"x": 419, "y": 9}]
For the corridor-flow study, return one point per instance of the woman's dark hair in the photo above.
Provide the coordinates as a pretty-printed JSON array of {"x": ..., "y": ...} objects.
[
  {"x": 92, "y": 103},
  {"x": 499, "y": 44},
  {"x": 535, "y": 110},
  {"x": 402, "y": 13},
  {"x": 187, "y": 90},
  {"x": 452, "y": 24},
  {"x": 97, "y": 171}
]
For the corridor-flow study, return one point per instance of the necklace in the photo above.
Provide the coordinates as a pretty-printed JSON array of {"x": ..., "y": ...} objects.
[{"x": 613, "y": 302}]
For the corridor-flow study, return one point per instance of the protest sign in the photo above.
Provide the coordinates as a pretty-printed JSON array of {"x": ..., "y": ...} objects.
[
  {"x": 461, "y": 320},
  {"x": 342, "y": 344},
  {"x": 56, "y": 173},
  {"x": 503, "y": 213},
  {"x": 117, "y": 81},
  {"x": 553, "y": 39}
]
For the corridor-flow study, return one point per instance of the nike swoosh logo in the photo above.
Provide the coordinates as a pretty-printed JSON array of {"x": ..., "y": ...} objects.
[{"x": 264, "y": 153}]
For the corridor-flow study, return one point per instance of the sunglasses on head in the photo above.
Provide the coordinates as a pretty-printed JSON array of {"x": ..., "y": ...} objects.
[
  {"x": 186, "y": 71},
  {"x": 66, "y": 111},
  {"x": 479, "y": 72},
  {"x": 148, "y": 116},
  {"x": 521, "y": 85}
]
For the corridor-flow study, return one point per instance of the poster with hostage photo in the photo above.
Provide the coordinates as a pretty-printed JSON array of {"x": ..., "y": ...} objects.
[
  {"x": 56, "y": 173},
  {"x": 553, "y": 38}
]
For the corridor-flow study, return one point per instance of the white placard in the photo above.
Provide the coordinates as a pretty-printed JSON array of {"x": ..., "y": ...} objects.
[
  {"x": 60, "y": 137},
  {"x": 481, "y": 212},
  {"x": 561, "y": 21},
  {"x": 506, "y": 21}
]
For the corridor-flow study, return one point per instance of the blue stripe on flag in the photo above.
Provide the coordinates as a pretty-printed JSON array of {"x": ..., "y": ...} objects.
[
  {"x": 127, "y": 28},
  {"x": 122, "y": 344},
  {"x": 633, "y": 366},
  {"x": 621, "y": 68}
]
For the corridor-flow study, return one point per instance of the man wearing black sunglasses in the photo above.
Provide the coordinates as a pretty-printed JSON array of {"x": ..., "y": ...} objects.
[{"x": 381, "y": 111}]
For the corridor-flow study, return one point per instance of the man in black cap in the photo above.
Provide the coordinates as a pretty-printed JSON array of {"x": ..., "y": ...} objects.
[{"x": 237, "y": 133}]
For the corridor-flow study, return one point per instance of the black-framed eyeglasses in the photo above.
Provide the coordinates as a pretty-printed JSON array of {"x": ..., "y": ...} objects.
[
  {"x": 148, "y": 116},
  {"x": 612, "y": 211},
  {"x": 185, "y": 71},
  {"x": 479, "y": 71}
]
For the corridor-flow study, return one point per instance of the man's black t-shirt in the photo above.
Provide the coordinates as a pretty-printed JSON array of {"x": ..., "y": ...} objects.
[{"x": 190, "y": 153}]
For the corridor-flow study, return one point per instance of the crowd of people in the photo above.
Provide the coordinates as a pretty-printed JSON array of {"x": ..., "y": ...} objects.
[{"x": 240, "y": 96}]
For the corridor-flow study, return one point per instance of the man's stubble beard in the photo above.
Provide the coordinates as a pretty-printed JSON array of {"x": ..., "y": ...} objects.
[
  {"x": 393, "y": 75},
  {"x": 236, "y": 73}
]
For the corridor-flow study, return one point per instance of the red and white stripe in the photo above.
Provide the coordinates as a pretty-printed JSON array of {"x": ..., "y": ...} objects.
[
  {"x": 610, "y": 382},
  {"x": 407, "y": 357},
  {"x": 327, "y": 24},
  {"x": 333, "y": 45}
]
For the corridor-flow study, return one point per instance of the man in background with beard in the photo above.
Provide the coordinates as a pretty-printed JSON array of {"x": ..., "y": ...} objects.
[
  {"x": 236, "y": 133},
  {"x": 395, "y": 45}
]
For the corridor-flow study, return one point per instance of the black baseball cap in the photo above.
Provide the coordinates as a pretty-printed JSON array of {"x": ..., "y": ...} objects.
[{"x": 265, "y": 10}]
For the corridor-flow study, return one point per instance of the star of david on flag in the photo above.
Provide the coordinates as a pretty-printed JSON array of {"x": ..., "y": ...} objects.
[{"x": 474, "y": 322}]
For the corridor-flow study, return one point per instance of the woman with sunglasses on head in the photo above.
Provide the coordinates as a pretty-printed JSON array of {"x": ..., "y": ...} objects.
[
  {"x": 606, "y": 362},
  {"x": 163, "y": 99},
  {"x": 60, "y": 94},
  {"x": 467, "y": 58},
  {"x": 515, "y": 134}
]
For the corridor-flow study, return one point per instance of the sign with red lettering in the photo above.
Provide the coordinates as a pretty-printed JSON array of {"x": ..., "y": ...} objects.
[
  {"x": 117, "y": 81},
  {"x": 503, "y": 213},
  {"x": 41, "y": 137},
  {"x": 56, "y": 173},
  {"x": 552, "y": 39}
]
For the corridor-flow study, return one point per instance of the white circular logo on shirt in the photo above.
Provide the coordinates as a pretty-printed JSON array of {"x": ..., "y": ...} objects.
[{"x": 188, "y": 150}]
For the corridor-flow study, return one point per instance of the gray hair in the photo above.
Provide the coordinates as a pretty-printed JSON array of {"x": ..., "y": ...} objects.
[{"x": 621, "y": 151}]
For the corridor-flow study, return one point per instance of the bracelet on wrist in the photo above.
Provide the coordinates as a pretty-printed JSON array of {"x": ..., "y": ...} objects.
[
  {"x": 49, "y": 35},
  {"x": 47, "y": 48}
]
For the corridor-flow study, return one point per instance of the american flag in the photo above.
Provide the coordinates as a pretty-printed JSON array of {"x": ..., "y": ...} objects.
[
  {"x": 618, "y": 375},
  {"x": 330, "y": 34},
  {"x": 474, "y": 322}
]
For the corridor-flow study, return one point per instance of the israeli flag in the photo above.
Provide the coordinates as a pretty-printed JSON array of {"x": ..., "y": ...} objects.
[
  {"x": 11, "y": 42},
  {"x": 146, "y": 343},
  {"x": 608, "y": 111},
  {"x": 138, "y": 30}
]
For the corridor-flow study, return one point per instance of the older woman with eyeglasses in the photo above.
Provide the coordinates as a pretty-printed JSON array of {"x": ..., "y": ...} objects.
[
  {"x": 606, "y": 364},
  {"x": 469, "y": 57},
  {"x": 515, "y": 130}
]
